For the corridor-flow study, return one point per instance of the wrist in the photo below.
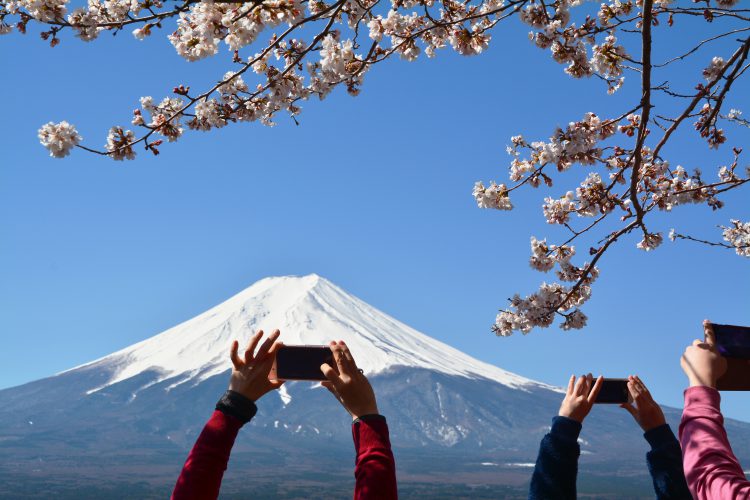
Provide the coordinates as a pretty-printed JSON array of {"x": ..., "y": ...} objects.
[
  {"x": 652, "y": 425},
  {"x": 251, "y": 393},
  {"x": 696, "y": 382},
  {"x": 571, "y": 416},
  {"x": 372, "y": 410}
]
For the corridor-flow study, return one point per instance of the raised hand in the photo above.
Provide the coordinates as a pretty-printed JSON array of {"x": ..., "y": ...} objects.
[
  {"x": 347, "y": 383},
  {"x": 580, "y": 397},
  {"x": 250, "y": 372},
  {"x": 644, "y": 409},
  {"x": 701, "y": 362}
]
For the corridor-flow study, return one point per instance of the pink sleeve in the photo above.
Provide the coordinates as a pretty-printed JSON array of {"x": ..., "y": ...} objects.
[
  {"x": 711, "y": 469},
  {"x": 375, "y": 469},
  {"x": 201, "y": 475}
]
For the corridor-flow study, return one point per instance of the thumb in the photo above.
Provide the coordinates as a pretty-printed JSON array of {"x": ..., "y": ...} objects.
[
  {"x": 631, "y": 409},
  {"x": 331, "y": 375}
]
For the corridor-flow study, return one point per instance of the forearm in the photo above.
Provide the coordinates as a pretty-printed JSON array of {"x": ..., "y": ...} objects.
[
  {"x": 204, "y": 468},
  {"x": 375, "y": 467},
  {"x": 665, "y": 464},
  {"x": 556, "y": 466},
  {"x": 711, "y": 469}
]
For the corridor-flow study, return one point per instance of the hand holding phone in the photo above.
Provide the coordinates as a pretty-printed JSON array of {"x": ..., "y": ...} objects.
[
  {"x": 250, "y": 371},
  {"x": 348, "y": 383},
  {"x": 701, "y": 362},
  {"x": 643, "y": 408},
  {"x": 580, "y": 397}
]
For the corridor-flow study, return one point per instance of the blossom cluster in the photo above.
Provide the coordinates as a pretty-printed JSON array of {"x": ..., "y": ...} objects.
[
  {"x": 738, "y": 236},
  {"x": 540, "y": 308},
  {"x": 238, "y": 25},
  {"x": 59, "y": 138},
  {"x": 492, "y": 196}
]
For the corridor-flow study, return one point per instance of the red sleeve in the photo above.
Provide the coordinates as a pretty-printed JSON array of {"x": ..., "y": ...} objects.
[
  {"x": 375, "y": 469},
  {"x": 711, "y": 469},
  {"x": 201, "y": 475}
]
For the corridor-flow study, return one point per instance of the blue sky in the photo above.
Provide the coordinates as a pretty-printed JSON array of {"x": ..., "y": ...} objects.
[{"x": 372, "y": 192}]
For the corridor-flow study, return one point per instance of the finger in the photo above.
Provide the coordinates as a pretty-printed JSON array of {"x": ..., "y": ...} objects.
[
  {"x": 571, "y": 385},
  {"x": 708, "y": 332},
  {"x": 267, "y": 344},
  {"x": 641, "y": 386},
  {"x": 637, "y": 389},
  {"x": 275, "y": 347},
  {"x": 351, "y": 367},
  {"x": 338, "y": 357},
  {"x": 331, "y": 375},
  {"x": 595, "y": 390},
  {"x": 233, "y": 355},
  {"x": 631, "y": 409},
  {"x": 578, "y": 389},
  {"x": 348, "y": 356},
  {"x": 587, "y": 384},
  {"x": 633, "y": 390},
  {"x": 251, "y": 345},
  {"x": 697, "y": 342}
]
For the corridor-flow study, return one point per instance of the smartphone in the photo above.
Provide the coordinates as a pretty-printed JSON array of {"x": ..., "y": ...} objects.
[
  {"x": 613, "y": 391},
  {"x": 301, "y": 362},
  {"x": 732, "y": 341}
]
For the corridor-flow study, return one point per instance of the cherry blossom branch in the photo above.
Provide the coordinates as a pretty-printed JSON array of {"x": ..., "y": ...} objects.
[
  {"x": 645, "y": 106},
  {"x": 698, "y": 96},
  {"x": 701, "y": 44}
]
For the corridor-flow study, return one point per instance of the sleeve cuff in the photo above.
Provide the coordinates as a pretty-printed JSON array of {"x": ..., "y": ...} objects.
[
  {"x": 702, "y": 396},
  {"x": 566, "y": 428},
  {"x": 372, "y": 416},
  {"x": 236, "y": 405},
  {"x": 659, "y": 436}
]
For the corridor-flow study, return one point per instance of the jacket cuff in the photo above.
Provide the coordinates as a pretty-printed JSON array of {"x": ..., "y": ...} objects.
[
  {"x": 659, "y": 436},
  {"x": 566, "y": 428},
  {"x": 702, "y": 396},
  {"x": 371, "y": 417},
  {"x": 238, "y": 406}
]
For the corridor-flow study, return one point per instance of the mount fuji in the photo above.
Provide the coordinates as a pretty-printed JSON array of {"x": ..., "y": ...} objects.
[{"x": 121, "y": 426}]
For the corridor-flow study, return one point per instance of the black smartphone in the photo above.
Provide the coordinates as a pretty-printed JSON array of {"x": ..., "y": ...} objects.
[
  {"x": 301, "y": 362},
  {"x": 732, "y": 341},
  {"x": 613, "y": 391}
]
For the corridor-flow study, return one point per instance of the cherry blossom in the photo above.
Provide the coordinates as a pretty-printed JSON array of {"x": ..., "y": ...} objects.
[
  {"x": 738, "y": 236},
  {"x": 59, "y": 138}
]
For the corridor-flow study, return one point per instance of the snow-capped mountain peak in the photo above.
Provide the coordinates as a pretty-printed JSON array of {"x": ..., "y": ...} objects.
[{"x": 308, "y": 310}]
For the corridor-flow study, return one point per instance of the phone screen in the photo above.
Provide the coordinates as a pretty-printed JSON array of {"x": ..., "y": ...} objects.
[
  {"x": 732, "y": 341},
  {"x": 614, "y": 390},
  {"x": 297, "y": 362}
]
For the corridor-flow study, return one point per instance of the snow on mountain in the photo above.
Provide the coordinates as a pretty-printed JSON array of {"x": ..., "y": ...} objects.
[{"x": 308, "y": 310}]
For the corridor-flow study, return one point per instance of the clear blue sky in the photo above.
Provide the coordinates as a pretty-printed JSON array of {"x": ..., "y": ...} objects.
[{"x": 372, "y": 192}]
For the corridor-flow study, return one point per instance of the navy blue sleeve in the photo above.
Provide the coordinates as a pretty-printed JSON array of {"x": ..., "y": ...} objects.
[
  {"x": 665, "y": 464},
  {"x": 557, "y": 464}
]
